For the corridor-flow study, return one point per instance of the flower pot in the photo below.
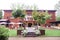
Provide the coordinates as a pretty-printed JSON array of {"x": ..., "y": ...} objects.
[
  {"x": 19, "y": 32},
  {"x": 42, "y": 32}
]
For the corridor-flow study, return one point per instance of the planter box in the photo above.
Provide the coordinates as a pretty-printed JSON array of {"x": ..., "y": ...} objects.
[
  {"x": 42, "y": 32},
  {"x": 19, "y": 32}
]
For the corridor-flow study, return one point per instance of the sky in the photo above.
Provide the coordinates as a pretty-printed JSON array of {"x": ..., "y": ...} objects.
[{"x": 41, "y": 4}]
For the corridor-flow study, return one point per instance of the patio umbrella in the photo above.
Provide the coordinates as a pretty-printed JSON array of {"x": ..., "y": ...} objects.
[
  {"x": 19, "y": 23},
  {"x": 11, "y": 23},
  {"x": 3, "y": 23}
]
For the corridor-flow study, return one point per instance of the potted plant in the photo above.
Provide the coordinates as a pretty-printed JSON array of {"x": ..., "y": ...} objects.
[
  {"x": 42, "y": 31},
  {"x": 24, "y": 32},
  {"x": 37, "y": 32},
  {"x": 19, "y": 31}
]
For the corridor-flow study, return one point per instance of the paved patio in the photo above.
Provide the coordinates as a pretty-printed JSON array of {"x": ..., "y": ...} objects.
[{"x": 34, "y": 38}]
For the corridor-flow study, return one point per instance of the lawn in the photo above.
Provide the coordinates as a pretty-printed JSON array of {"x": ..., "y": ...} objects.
[
  {"x": 12, "y": 32},
  {"x": 52, "y": 32},
  {"x": 48, "y": 32}
]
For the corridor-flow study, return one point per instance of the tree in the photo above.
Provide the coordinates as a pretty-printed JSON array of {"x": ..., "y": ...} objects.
[
  {"x": 58, "y": 18},
  {"x": 0, "y": 14},
  {"x": 40, "y": 17},
  {"x": 18, "y": 12},
  {"x": 57, "y": 7}
]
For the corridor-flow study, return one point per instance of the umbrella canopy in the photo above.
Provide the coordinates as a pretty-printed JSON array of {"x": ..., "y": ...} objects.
[
  {"x": 19, "y": 23},
  {"x": 15, "y": 23},
  {"x": 3, "y": 23},
  {"x": 11, "y": 23}
]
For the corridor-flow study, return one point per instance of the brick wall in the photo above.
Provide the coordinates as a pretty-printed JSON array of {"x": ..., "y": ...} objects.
[{"x": 8, "y": 14}]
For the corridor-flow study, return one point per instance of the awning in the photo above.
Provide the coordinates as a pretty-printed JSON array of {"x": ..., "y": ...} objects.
[
  {"x": 11, "y": 23},
  {"x": 3, "y": 23},
  {"x": 19, "y": 23},
  {"x": 15, "y": 23}
]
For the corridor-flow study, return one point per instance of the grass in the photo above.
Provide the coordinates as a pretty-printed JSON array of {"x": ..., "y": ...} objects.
[
  {"x": 52, "y": 32},
  {"x": 12, "y": 32},
  {"x": 48, "y": 32}
]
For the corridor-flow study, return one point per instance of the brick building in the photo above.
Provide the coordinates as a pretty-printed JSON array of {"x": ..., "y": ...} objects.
[{"x": 28, "y": 18}]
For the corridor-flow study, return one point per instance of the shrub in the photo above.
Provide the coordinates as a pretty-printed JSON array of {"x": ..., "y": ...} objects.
[
  {"x": 21, "y": 28},
  {"x": 3, "y": 33},
  {"x": 37, "y": 32},
  {"x": 24, "y": 32},
  {"x": 41, "y": 28}
]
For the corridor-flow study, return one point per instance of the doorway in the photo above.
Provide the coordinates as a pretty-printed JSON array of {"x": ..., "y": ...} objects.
[{"x": 29, "y": 24}]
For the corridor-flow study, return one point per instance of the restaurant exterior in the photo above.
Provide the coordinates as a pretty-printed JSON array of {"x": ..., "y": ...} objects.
[{"x": 15, "y": 23}]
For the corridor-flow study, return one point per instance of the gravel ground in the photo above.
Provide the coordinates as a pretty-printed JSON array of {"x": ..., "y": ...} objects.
[{"x": 34, "y": 38}]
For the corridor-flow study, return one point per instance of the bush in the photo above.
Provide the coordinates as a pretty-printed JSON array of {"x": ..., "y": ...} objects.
[
  {"x": 41, "y": 28},
  {"x": 37, "y": 32},
  {"x": 24, "y": 32},
  {"x": 3, "y": 33},
  {"x": 21, "y": 28}
]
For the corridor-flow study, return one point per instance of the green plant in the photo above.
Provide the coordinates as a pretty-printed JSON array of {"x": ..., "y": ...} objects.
[
  {"x": 18, "y": 13},
  {"x": 12, "y": 32},
  {"x": 3, "y": 33},
  {"x": 58, "y": 18},
  {"x": 24, "y": 32},
  {"x": 41, "y": 28},
  {"x": 21, "y": 28},
  {"x": 37, "y": 32},
  {"x": 0, "y": 14},
  {"x": 40, "y": 17}
]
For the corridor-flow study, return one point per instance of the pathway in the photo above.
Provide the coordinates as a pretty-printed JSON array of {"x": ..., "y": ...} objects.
[{"x": 34, "y": 38}]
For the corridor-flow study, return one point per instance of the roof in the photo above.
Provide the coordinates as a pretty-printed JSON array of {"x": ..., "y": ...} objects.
[
  {"x": 7, "y": 10},
  {"x": 55, "y": 22},
  {"x": 43, "y": 10},
  {"x": 31, "y": 10}
]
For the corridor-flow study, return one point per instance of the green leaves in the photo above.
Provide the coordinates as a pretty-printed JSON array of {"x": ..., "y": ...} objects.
[
  {"x": 18, "y": 13},
  {"x": 0, "y": 14},
  {"x": 58, "y": 18},
  {"x": 40, "y": 17},
  {"x": 3, "y": 31}
]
